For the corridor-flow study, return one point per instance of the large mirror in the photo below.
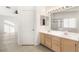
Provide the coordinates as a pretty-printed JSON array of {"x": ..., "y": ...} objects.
[{"x": 67, "y": 20}]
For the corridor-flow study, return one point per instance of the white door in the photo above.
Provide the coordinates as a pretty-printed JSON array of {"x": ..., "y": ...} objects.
[{"x": 27, "y": 27}]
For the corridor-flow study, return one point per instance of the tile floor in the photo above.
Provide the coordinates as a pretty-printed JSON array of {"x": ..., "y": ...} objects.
[{"x": 10, "y": 45}]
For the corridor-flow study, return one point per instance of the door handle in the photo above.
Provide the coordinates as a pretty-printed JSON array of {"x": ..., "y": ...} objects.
[{"x": 33, "y": 29}]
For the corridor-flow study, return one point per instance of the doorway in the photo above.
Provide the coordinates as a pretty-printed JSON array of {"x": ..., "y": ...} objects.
[
  {"x": 26, "y": 29},
  {"x": 9, "y": 35}
]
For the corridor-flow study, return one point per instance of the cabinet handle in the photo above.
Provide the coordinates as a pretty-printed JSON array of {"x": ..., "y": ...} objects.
[
  {"x": 33, "y": 30},
  {"x": 75, "y": 44},
  {"x": 75, "y": 47}
]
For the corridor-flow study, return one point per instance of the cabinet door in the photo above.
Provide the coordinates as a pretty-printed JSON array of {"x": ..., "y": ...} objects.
[
  {"x": 42, "y": 38},
  {"x": 77, "y": 46},
  {"x": 55, "y": 43},
  {"x": 68, "y": 45},
  {"x": 48, "y": 41}
]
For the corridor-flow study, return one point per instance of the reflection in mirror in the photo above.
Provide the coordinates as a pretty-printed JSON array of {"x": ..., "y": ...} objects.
[
  {"x": 67, "y": 20},
  {"x": 69, "y": 23},
  {"x": 56, "y": 24},
  {"x": 43, "y": 23},
  {"x": 44, "y": 20}
]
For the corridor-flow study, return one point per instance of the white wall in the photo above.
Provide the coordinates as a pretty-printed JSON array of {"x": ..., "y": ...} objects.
[
  {"x": 40, "y": 10},
  {"x": 37, "y": 25}
]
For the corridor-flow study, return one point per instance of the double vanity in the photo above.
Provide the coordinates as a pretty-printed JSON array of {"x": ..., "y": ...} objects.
[
  {"x": 60, "y": 41},
  {"x": 59, "y": 31}
]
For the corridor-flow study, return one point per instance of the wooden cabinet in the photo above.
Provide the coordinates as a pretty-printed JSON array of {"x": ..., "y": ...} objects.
[
  {"x": 68, "y": 45},
  {"x": 77, "y": 46},
  {"x": 42, "y": 38},
  {"x": 56, "y": 44},
  {"x": 48, "y": 41}
]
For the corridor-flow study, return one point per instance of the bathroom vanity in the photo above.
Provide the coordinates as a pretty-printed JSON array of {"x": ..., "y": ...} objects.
[
  {"x": 59, "y": 42},
  {"x": 61, "y": 34}
]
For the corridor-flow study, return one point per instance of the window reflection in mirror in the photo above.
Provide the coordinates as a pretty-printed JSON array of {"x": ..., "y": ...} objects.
[
  {"x": 56, "y": 24},
  {"x": 70, "y": 23},
  {"x": 66, "y": 21}
]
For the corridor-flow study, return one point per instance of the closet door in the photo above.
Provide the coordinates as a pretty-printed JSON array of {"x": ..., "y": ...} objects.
[{"x": 27, "y": 28}]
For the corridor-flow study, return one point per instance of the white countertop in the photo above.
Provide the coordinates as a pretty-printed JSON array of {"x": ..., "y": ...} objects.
[{"x": 69, "y": 35}]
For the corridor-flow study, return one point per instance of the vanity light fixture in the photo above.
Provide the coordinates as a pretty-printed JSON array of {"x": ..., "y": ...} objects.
[
  {"x": 61, "y": 9},
  {"x": 8, "y": 7},
  {"x": 67, "y": 6}
]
